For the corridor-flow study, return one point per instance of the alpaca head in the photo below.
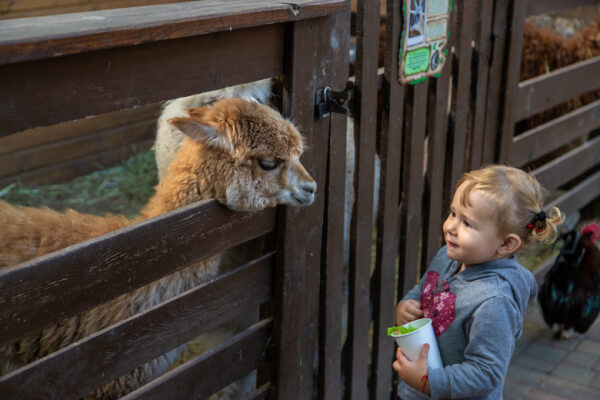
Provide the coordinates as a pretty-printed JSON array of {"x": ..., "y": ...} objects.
[{"x": 249, "y": 153}]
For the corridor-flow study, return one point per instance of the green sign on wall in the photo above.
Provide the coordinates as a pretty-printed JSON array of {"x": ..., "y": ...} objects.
[{"x": 425, "y": 36}]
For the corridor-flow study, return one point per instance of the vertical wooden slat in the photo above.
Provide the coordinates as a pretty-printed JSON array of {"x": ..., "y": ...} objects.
[
  {"x": 412, "y": 186},
  {"x": 330, "y": 347},
  {"x": 513, "y": 69},
  {"x": 384, "y": 299},
  {"x": 367, "y": 27},
  {"x": 434, "y": 208},
  {"x": 481, "y": 60},
  {"x": 461, "y": 87},
  {"x": 299, "y": 244},
  {"x": 332, "y": 269},
  {"x": 496, "y": 78}
]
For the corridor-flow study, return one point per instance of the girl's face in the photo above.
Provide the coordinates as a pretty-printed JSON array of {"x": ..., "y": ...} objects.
[{"x": 471, "y": 232}]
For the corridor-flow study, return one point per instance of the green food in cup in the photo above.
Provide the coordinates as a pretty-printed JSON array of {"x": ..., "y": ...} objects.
[{"x": 400, "y": 330}]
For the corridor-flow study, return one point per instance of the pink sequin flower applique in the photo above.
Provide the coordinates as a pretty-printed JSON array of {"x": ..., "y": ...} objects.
[{"x": 439, "y": 306}]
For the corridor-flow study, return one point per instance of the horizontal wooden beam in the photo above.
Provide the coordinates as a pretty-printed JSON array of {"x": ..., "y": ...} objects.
[
  {"x": 64, "y": 171},
  {"x": 83, "y": 127},
  {"x": 26, "y": 39},
  {"x": 536, "y": 7},
  {"x": 46, "y": 92},
  {"x": 19, "y": 162},
  {"x": 202, "y": 376},
  {"x": 580, "y": 195},
  {"x": 119, "y": 349},
  {"x": 61, "y": 284},
  {"x": 570, "y": 165},
  {"x": 543, "y": 92},
  {"x": 547, "y": 137}
]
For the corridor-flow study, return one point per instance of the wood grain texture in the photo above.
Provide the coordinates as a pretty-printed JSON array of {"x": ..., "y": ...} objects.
[
  {"x": 461, "y": 115},
  {"x": 361, "y": 233},
  {"x": 435, "y": 190},
  {"x": 562, "y": 169},
  {"x": 390, "y": 144},
  {"x": 513, "y": 48},
  {"x": 548, "y": 90},
  {"x": 50, "y": 91},
  {"x": 39, "y": 8},
  {"x": 244, "y": 352},
  {"x": 332, "y": 266},
  {"x": 535, "y": 7},
  {"x": 66, "y": 150},
  {"x": 82, "y": 127},
  {"x": 481, "y": 66},
  {"x": 26, "y": 39},
  {"x": 579, "y": 196},
  {"x": 497, "y": 71},
  {"x": 411, "y": 200},
  {"x": 117, "y": 350},
  {"x": 543, "y": 139},
  {"x": 308, "y": 66},
  {"x": 70, "y": 169},
  {"x": 61, "y": 284}
]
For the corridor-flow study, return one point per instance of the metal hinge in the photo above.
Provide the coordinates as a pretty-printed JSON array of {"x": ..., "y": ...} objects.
[{"x": 329, "y": 100}]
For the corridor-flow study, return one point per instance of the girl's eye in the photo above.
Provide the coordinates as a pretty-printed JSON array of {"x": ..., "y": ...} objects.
[
  {"x": 467, "y": 223},
  {"x": 452, "y": 214},
  {"x": 268, "y": 165}
]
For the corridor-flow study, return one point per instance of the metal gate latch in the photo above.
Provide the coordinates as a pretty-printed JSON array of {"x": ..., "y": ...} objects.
[{"x": 329, "y": 100}]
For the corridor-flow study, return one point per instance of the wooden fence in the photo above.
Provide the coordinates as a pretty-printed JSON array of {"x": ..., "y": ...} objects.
[
  {"x": 430, "y": 133},
  {"x": 65, "y": 67}
]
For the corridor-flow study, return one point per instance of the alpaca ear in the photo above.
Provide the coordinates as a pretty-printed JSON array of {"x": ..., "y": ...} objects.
[{"x": 197, "y": 130}]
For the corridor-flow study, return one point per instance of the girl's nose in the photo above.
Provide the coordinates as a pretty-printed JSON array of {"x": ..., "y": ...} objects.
[{"x": 451, "y": 225}]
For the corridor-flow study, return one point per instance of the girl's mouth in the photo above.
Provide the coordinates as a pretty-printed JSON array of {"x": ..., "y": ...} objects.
[{"x": 451, "y": 245}]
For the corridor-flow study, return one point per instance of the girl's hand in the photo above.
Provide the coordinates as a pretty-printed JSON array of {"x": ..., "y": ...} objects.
[
  {"x": 408, "y": 311},
  {"x": 414, "y": 373}
]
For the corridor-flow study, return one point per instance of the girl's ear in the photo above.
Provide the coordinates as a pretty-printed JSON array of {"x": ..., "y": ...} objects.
[
  {"x": 196, "y": 128},
  {"x": 509, "y": 245}
]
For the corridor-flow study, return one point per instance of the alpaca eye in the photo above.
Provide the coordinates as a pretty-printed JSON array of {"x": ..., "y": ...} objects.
[{"x": 268, "y": 165}]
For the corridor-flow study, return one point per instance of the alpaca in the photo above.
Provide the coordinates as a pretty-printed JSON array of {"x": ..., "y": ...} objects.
[
  {"x": 243, "y": 154},
  {"x": 169, "y": 139}
]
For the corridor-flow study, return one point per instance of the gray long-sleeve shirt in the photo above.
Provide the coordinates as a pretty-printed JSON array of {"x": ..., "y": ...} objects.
[{"x": 478, "y": 316}]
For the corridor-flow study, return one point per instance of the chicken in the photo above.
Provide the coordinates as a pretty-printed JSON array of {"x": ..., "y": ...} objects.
[{"x": 570, "y": 294}]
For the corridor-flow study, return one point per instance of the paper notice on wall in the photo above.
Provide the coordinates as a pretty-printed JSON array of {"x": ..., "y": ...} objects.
[{"x": 424, "y": 39}]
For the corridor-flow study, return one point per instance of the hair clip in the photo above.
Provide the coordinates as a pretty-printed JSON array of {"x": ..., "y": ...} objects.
[
  {"x": 538, "y": 221},
  {"x": 541, "y": 216}
]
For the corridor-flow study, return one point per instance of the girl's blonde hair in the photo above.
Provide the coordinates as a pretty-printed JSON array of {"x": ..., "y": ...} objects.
[{"x": 519, "y": 198}]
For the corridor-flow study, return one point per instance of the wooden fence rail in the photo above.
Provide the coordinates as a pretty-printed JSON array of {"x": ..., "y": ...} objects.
[{"x": 116, "y": 350}]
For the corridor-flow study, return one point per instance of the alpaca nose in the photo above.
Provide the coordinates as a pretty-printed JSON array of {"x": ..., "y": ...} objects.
[{"x": 309, "y": 187}]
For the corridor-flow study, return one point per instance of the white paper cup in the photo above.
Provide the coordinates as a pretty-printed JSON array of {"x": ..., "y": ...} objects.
[{"x": 411, "y": 343}]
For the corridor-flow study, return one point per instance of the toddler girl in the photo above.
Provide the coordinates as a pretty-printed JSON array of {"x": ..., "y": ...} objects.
[{"x": 475, "y": 291}]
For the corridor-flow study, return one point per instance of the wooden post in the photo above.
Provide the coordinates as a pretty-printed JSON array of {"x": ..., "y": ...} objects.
[
  {"x": 332, "y": 268},
  {"x": 310, "y": 64},
  {"x": 365, "y": 123},
  {"x": 390, "y": 142},
  {"x": 513, "y": 70}
]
